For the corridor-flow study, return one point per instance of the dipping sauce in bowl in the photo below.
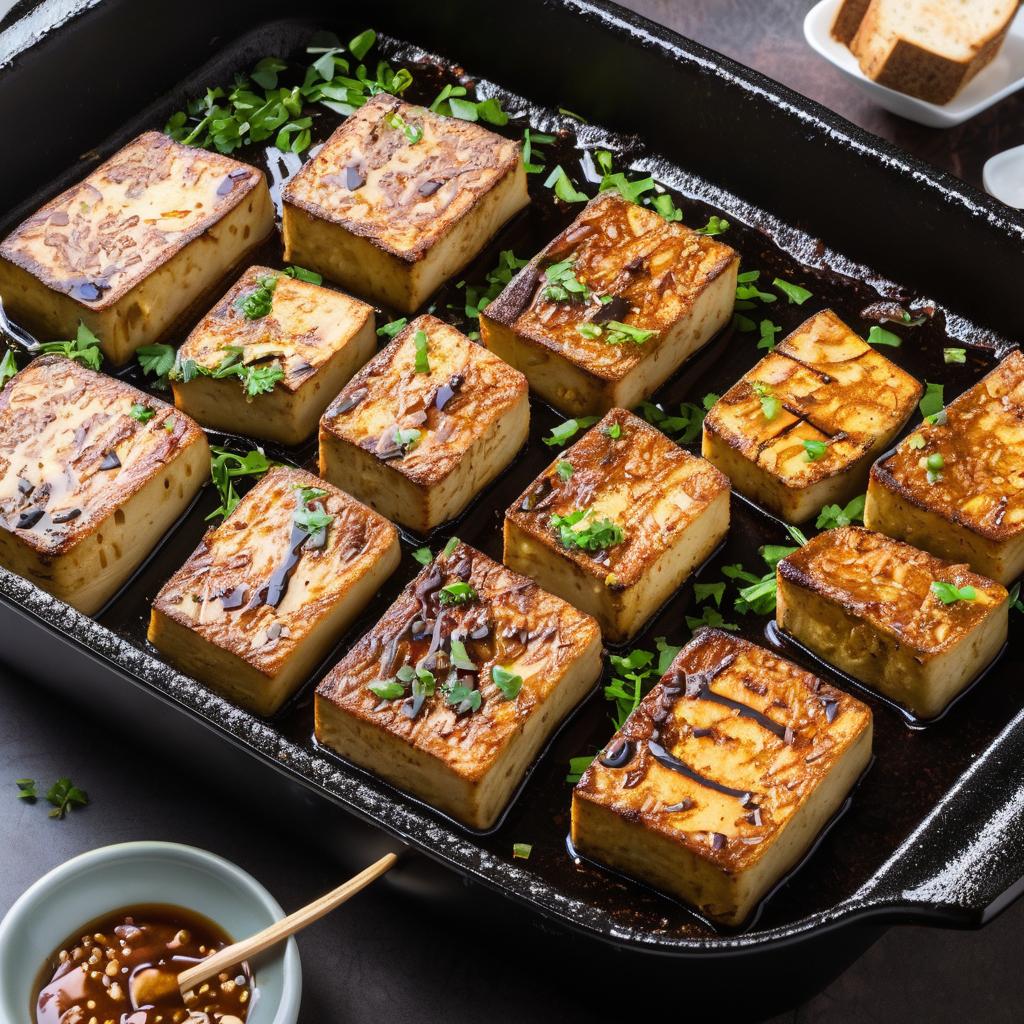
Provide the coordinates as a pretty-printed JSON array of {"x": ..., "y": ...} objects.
[{"x": 123, "y": 968}]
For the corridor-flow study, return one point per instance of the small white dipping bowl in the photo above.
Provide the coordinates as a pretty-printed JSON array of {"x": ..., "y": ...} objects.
[{"x": 115, "y": 877}]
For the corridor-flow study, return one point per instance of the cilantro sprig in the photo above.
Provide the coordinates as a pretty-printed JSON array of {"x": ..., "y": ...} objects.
[{"x": 84, "y": 348}]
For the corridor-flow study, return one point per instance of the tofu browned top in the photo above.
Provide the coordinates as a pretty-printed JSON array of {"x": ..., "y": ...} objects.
[
  {"x": 981, "y": 441},
  {"x": 370, "y": 179},
  {"x": 423, "y": 421},
  {"x": 259, "y": 583},
  {"x": 506, "y": 620},
  {"x": 638, "y": 269},
  {"x": 829, "y": 385},
  {"x": 726, "y": 748},
  {"x": 104, "y": 235},
  {"x": 71, "y": 453},
  {"x": 889, "y": 584},
  {"x": 306, "y": 325},
  {"x": 639, "y": 481}
]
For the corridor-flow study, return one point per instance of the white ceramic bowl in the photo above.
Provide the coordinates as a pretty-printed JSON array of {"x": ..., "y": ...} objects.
[
  {"x": 1003, "y": 176},
  {"x": 1005, "y": 75},
  {"x": 113, "y": 877}
]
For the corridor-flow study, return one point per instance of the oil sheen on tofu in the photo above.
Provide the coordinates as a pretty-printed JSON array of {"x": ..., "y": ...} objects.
[
  {"x": 264, "y": 597},
  {"x": 314, "y": 337},
  {"x": 720, "y": 781},
  {"x": 425, "y": 425},
  {"x": 874, "y": 607},
  {"x": 400, "y": 199},
  {"x": 651, "y": 514},
  {"x": 87, "y": 489},
  {"x": 971, "y": 508},
  {"x": 799, "y": 430},
  {"x": 454, "y": 692},
  {"x": 672, "y": 289},
  {"x": 134, "y": 247}
]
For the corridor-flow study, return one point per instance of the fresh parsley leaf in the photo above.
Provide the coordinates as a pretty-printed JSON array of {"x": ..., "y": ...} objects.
[
  {"x": 422, "y": 357},
  {"x": 563, "y": 285},
  {"x": 715, "y": 226},
  {"x": 302, "y": 274},
  {"x": 775, "y": 553},
  {"x": 479, "y": 298},
  {"x": 797, "y": 296},
  {"x": 84, "y": 348},
  {"x": 770, "y": 405},
  {"x": 618, "y": 334},
  {"x": 564, "y": 188},
  {"x": 710, "y": 617},
  {"x": 449, "y": 102},
  {"x": 832, "y": 516},
  {"x": 635, "y": 673},
  {"x": 954, "y": 355},
  {"x": 26, "y": 789},
  {"x": 522, "y": 851},
  {"x": 312, "y": 520},
  {"x": 577, "y": 766},
  {"x": 258, "y": 303},
  {"x": 596, "y": 535},
  {"x": 814, "y": 450},
  {"x": 768, "y": 332},
  {"x": 457, "y": 593},
  {"x": 566, "y": 431},
  {"x": 508, "y": 682},
  {"x": 702, "y": 591},
  {"x": 564, "y": 469},
  {"x": 1015, "y": 601},
  {"x": 64, "y": 795},
  {"x": 361, "y": 44},
  {"x": 141, "y": 412},
  {"x": 880, "y": 336},
  {"x": 747, "y": 290},
  {"x": 759, "y": 597},
  {"x": 423, "y": 556},
  {"x": 664, "y": 205},
  {"x": 393, "y": 328},
  {"x": 156, "y": 360},
  {"x": 462, "y": 697},
  {"x": 387, "y": 690},
  {"x": 8, "y": 367},
  {"x": 226, "y": 467},
  {"x": 933, "y": 402},
  {"x": 683, "y": 428},
  {"x": 261, "y": 380},
  {"x": 950, "y": 593}
]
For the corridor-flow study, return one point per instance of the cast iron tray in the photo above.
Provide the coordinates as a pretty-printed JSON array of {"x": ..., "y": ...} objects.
[{"x": 935, "y": 831}]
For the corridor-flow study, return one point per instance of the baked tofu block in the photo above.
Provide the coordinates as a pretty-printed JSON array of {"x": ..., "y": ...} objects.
[
  {"x": 970, "y": 508},
  {"x": 265, "y": 596},
  {"x": 652, "y": 293},
  {"x": 454, "y": 692},
  {"x": 136, "y": 245},
  {"x": 400, "y": 199},
  {"x": 799, "y": 430},
  {"x": 876, "y": 609},
  {"x": 721, "y": 780},
  {"x": 311, "y": 339},
  {"x": 424, "y": 426},
  {"x": 93, "y": 473},
  {"x": 618, "y": 522}
]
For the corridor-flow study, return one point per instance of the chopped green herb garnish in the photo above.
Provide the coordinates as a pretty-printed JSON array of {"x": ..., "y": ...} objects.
[
  {"x": 422, "y": 357},
  {"x": 452, "y": 544},
  {"x": 796, "y": 295},
  {"x": 84, "y": 348},
  {"x": 569, "y": 429},
  {"x": 226, "y": 467},
  {"x": 596, "y": 535},
  {"x": 710, "y": 617},
  {"x": 664, "y": 205},
  {"x": 683, "y": 428},
  {"x": 577, "y": 766},
  {"x": 950, "y": 593},
  {"x": 407, "y": 438},
  {"x": 702, "y": 591},
  {"x": 814, "y": 450},
  {"x": 832, "y": 516},
  {"x": 564, "y": 469},
  {"x": 508, "y": 682},
  {"x": 450, "y": 102},
  {"x": 636, "y": 672},
  {"x": 412, "y": 132},
  {"x": 389, "y": 330},
  {"x": 478, "y": 298},
  {"x": 954, "y": 355},
  {"x": 462, "y": 697},
  {"x": 743, "y": 324},
  {"x": 26, "y": 789},
  {"x": 880, "y": 336},
  {"x": 933, "y": 401},
  {"x": 457, "y": 593},
  {"x": 522, "y": 850},
  {"x": 8, "y": 367},
  {"x": 770, "y": 405},
  {"x": 747, "y": 290},
  {"x": 614, "y": 431},
  {"x": 258, "y": 303},
  {"x": 64, "y": 795},
  {"x": 423, "y": 556},
  {"x": 389, "y": 690},
  {"x": 531, "y": 140},
  {"x": 563, "y": 284},
  {"x": 617, "y": 333},
  {"x": 1015, "y": 601},
  {"x": 768, "y": 332},
  {"x": 564, "y": 188},
  {"x": 141, "y": 412},
  {"x": 312, "y": 520},
  {"x": 302, "y": 274},
  {"x": 715, "y": 226}
]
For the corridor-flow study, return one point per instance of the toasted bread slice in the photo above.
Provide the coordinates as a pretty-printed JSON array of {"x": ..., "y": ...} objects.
[
  {"x": 399, "y": 199},
  {"x": 422, "y": 428},
  {"x": 848, "y": 18},
  {"x": 132, "y": 249},
  {"x": 930, "y": 48},
  {"x": 316, "y": 338},
  {"x": 866, "y": 604},
  {"x": 262, "y": 599},
  {"x": 654, "y": 293},
  {"x": 92, "y": 475},
  {"x": 800, "y": 429},
  {"x": 664, "y": 511},
  {"x": 970, "y": 509},
  {"x": 723, "y": 777},
  {"x": 453, "y": 693}
]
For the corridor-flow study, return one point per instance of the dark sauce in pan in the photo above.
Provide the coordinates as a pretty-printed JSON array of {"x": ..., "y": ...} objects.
[
  {"x": 123, "y": 967},
  {"x": 913, "y": 769}
]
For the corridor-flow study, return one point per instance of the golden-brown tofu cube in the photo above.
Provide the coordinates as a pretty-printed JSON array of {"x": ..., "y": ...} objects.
[
  {"x": 955, "y": 487},
  {"x": 800, "y": 429},
  {"x": 618, "y": 522},
  {"x": 268, "y": 592},
  {"x": 93, "y": 473},
  {"x": 722, "y": 778},
  {"x": 454, "y": 692},
  {"x": 425, "y": 425},
  {"x": 270, "y": 356},
  {"x": 916, "y": 629},
  {"x": 612, "y": 307},
  {"x": 399, "y": 199},
  {"x": 134, "y": 247}
]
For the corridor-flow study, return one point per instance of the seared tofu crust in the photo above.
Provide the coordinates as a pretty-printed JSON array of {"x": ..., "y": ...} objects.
[
  {"x": 315, "y": 336},
  {"x": 721, "y": 779},
  {"x": 467, "y": 763},
  {"x": 655, "y": 274},
  {"x": 101, "y": 239},
  {"x": 865, "y": 603},
  {"x": 972, "y": 509},
  {"x": 457, "y": 182},
  {"x": 831, "y": 387},
  {"x": 672, "y": 508},
  {"x": 418, "y": 446},
  {"x": 262, "y": 588},
  {"x": 72, "y": 460}
]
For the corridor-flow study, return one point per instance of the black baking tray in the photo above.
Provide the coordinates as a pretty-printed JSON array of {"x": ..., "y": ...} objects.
[{"x": 935, "y": 832}]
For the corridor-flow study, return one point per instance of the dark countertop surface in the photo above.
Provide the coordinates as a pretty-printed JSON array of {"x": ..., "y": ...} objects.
[{"x": 384, "y": 957}]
